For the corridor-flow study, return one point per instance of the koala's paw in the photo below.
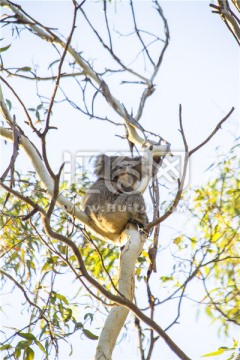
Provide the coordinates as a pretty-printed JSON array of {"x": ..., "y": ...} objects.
[{"x": 143, "y": 231}]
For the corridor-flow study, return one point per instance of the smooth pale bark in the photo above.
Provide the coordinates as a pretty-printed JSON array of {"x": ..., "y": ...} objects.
[{"x": 126, "y": 282}]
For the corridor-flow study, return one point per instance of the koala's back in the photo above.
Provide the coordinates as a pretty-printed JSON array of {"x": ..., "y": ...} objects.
[{"x": 111, "y": 211}]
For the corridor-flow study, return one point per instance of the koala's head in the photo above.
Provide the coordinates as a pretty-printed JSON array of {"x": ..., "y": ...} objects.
[{"x": 124, "y": 171}]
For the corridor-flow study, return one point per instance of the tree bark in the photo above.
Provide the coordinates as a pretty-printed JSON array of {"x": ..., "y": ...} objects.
[{"x": 126, "y": 284}]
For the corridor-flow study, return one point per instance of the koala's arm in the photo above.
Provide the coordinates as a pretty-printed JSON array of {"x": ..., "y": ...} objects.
[
  {"x": 139, "y": 217},
  {"x": 136, "y": 208},
  {"x": 95, "y": 196}
]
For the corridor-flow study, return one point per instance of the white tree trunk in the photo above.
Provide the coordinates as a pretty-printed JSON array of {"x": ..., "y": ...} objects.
[{"x": 126, "y": 282}]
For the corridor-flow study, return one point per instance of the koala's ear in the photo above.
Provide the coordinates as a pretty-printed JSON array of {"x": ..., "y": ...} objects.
[{"x": 101, "y": 161}]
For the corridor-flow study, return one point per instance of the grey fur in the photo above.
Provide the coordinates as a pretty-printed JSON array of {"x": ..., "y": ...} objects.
[{"x": 113, "y": 200}]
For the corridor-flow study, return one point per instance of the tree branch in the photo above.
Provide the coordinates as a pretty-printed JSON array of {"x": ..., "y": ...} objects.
[
  {"x": 227, "y": 15},
  {"x": 180, "y": 183},
  {"x": 47, "y": 35},
  {"x": 122, "y": 301},
  {"x": 213, "y": 132},
  {"x": 187, "y": 156},
  {"x": 118, "y": 315}
]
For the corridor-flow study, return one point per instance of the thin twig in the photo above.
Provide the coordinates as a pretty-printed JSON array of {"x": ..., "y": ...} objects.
[
  {"x": 22, "y": 104},
  {"x": 180, "y": 182},
  {"x": 213, "y": 132}
]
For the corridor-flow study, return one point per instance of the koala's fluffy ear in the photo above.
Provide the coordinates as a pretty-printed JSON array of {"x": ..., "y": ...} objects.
[{"x": 100, "y": 163}]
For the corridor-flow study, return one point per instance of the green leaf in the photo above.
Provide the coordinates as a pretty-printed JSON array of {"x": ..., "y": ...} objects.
[
  {"x": 215, "y": 353},
  {"x": 78, "y": 325},
  {"x": 141, "y": 259},
  {"x": 46, "y": 267},
  {"x": 27, "y": 336},
  {"x": 23, "y": 344},
  {"x": 5, "y": 48},
  {"x": 17, "y": 353},
  {"x": 30, "y": 265},
  {"x": 5, "y": 347},
  {"x": 90, "y": 335},
  {"x": 166, "y": 278},
  {"x": 9, "y": 104},
  {"x": 68, "y": 315},
  {"x": 88, "y": 315},
  {"x": 41, "y": 347},
  {"x": 208, "y": 311},
  {"x": 177, "y": 240},
  {"x": 62, "y": 298},
  {"x": 29, "y": 354},
  {"x": 25, "y": 68}
]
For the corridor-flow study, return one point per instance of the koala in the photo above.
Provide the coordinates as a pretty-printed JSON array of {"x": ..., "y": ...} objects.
[{"x": 113, "y": 199}]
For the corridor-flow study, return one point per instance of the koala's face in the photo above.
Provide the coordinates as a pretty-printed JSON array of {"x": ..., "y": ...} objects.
[
  {"x": 126, "y": 172},
  {"x": 123, "y": 171}
]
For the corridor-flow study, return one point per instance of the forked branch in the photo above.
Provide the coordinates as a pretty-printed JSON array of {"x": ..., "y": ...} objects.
[{"x": 187, "y": 156}]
